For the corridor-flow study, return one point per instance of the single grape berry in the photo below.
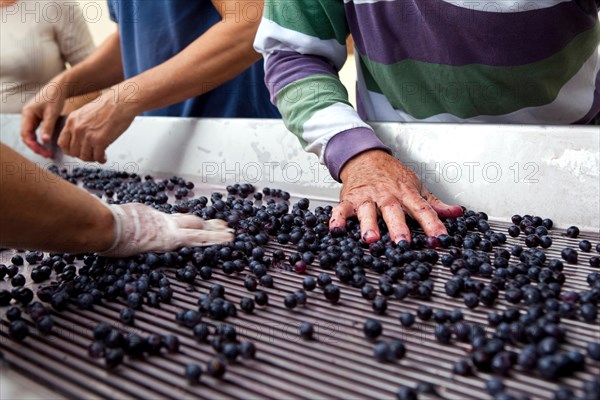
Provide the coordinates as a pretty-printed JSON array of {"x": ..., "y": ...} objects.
[
  {"x": 424, "y": 312},
  {"x": 471, "y": 300},
  {"x": 17, "y": 260},
  {"x": 250, "y": 283},
  {"x": 532, "y": 240},
  {"x": 585, "y": 245},
  {"x": 18, "y": 330},
  {"x": 324, "y": 279},
  {"x": 494, "y": 386},
  {"x": 300, "y": 267},
  {"x": 154, "y": 343},
  {"x": 514, "y": 231},
  {"x": 247, "y": 350},
  {"x": 381, "y": 352},
  {"x": 96, "y": 350},
  {"x": 13, "y": 314},
  {"x": 407, "y": 319},
  {"x": 380, "y": 305},
  {"x": 231, "y": 351},
  {"x": 309, "y": 283},
  {"x": 290, "y": 301},
  {"x": 301, "y": 297},
  {"x": 593, "y": 350},
  {"x": 101, "y": 331},
  {"x": 462, "y": 368},
  {"x": 247, "y": 305},
  {"x": 332, "y": 293},
  {"x": 261, "y": 298},
  {"x": 443, "y": 333},
  {"x": 406, "y": 393},
  {"x": 440, "y": 316},
  {"x": 215, "y": 368},
  {"x": 171, "y": 343},
  {"x": 306, "y": 330},
  {"x": 572, "y": 232},
  {"x": 368, "y": 292},
  {"x": 127, "y": 316},
  {"x": 266, "y": 280},
  {"x": 372, "y": 329},
  {"x": 18, "y": 280},
  {"x": 569, "y": 255},
  {"x": 44, "y": 324},
  {"x": 201, "y": 331},
  {"x": 191, "y": 317},
  {"x": 397, "y": 350},
  {"x": 193, "y": 372},
  {"x": 113, "y": 358},
  {"x": 432, "y": 242}
]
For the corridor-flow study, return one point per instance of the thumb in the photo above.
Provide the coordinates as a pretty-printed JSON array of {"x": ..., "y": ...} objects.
[{"x": 48, "y": 123}]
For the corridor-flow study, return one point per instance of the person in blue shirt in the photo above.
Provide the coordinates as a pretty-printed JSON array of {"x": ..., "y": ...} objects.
[{"x": 168, "y": 58}]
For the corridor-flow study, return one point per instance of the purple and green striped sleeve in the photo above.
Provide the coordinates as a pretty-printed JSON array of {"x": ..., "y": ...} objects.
[{"x": 303, "y": 43}]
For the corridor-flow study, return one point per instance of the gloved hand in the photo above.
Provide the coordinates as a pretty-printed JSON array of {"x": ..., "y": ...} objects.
[{"x": 139, "y": 228}]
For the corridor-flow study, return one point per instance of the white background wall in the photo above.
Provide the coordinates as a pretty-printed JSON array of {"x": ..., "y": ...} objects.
[{"x": 101, "y": 27}]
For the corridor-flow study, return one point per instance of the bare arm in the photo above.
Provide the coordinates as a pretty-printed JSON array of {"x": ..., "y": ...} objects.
[
  {"x": 74, "y": 103},
  {"x": 39, "y": 210},
  {"x": 220, "y": 54},
  {"x": 102, "y": 69}
]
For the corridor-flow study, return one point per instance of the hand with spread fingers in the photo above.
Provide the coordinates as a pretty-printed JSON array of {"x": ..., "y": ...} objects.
[
  {"x": 89, "y": 130},
  {"x": 139, "y": 228},
  {"x": 375, "y": 183}
]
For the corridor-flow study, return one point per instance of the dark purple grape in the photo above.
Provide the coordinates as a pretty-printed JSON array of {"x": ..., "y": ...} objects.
[{"x": 572, "y": 232}]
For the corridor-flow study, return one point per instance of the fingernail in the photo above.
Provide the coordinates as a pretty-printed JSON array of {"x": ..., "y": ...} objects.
[
  {"x": 368, "y": 235},
  {"x": 399, "y": 238}
]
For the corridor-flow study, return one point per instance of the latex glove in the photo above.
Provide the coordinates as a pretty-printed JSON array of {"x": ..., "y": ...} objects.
[
  {"x": 376, "y": 181},
  {"x": 139, "y": 229},
  {"x": 92, "y": 128}
]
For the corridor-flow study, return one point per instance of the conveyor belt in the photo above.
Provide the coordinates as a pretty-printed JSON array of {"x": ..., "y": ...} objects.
[{"x": 338, "y": 364}]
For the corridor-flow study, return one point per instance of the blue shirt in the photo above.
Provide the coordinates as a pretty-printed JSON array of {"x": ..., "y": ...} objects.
[{"x": 154, "y": 31}]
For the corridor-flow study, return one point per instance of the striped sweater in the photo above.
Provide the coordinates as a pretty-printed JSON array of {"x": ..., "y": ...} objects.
[{"x": 484, "y": 61}]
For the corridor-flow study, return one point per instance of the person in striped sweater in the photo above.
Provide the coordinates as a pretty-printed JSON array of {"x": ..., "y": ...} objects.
[{"x": 518, "y": 61}]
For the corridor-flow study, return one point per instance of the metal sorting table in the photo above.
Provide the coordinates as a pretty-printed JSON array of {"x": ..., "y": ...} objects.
[{"x": 340, "y": 362}]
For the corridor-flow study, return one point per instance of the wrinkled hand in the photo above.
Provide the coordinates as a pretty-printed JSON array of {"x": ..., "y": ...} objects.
[
  {"x": 375, "y": 181},
  {"x": 91, "y": 129},
  {"x": 42, "y": 111},
  {"x": 140, "y": 228}
]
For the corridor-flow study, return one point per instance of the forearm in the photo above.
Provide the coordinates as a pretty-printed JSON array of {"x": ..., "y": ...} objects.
[
  {"x": 101, "y": 70},
  {"x": 73, "y": 103},
  {"x": 40, "y": 211},
  {"x": 219, "y": 55}
]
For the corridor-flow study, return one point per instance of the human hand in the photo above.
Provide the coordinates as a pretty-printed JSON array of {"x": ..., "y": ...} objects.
[
  {"x": 375, "y": 181},
  {"x": 42, "y": 111},
  {"x": 91, "y": 129},
  {"x": 140, "y": 228}
]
